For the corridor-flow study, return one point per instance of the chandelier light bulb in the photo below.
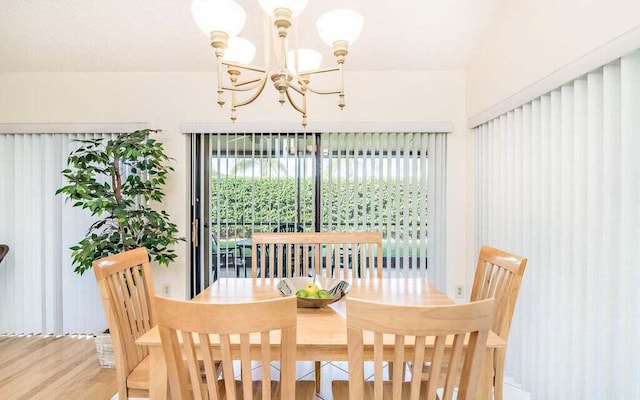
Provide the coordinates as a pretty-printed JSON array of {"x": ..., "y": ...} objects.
[
  {"x": 292, "y": 76},
  {"x": 295, "y": 6},
  {"x": 308, "y": 60},
  {"x": 218, "y": 16},
  {"x": 239, "y": 50},
  {"x": 339, "y": 25}
]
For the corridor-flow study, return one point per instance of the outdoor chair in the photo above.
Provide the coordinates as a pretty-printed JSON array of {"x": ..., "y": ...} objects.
[
  {"x": 4, "y": 249},
  {"x": 221, "y": 256}
]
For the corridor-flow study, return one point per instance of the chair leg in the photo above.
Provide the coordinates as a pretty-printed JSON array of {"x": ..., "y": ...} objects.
[
  {"x": 317, "y": 376},
  {"x": 498, "y": 370}
]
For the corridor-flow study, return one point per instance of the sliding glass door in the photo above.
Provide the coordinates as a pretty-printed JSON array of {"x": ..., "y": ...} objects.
[
  {"x": 311, "y": 182},
  {"x": 248, "y": 183}
]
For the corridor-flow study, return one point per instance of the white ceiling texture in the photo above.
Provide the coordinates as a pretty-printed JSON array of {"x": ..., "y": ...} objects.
[{"x": 160, "y": 35}]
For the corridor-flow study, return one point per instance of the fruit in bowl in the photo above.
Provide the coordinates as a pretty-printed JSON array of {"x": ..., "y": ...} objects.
[{"x": 313, "y": 292}]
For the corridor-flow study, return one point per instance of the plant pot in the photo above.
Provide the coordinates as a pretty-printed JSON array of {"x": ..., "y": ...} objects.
[{"x": 104, "y": 346}]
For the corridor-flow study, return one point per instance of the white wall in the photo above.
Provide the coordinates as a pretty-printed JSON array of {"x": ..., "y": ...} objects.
[
  {"x": 532, "y": 39},
  {"x": 165, "y": 100}
]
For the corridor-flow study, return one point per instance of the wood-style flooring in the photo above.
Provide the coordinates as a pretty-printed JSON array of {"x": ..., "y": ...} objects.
[
  {"x": 53, "y": 368},
  {"x": 67, "y": 368}
]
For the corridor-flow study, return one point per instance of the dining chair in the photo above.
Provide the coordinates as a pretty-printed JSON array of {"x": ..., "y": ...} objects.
[
  {"x": 342, "y": 255},
  {"x": 187, "y": 329},
  {"x": 352, "y": 255},
  {"x": 419, "y": 334},
  {"x": 126, "y": 288},
  {"x": 498, "y": 275}
]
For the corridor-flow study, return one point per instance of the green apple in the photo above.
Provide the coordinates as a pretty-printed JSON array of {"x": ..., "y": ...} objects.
[{"x": 311, "y": 288}]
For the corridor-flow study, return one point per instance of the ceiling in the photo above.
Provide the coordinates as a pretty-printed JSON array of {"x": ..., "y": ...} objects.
[{"x": 160, "y": 35}]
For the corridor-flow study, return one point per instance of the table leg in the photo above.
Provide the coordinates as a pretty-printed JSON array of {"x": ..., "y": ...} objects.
[{"x": 158, "y": 388}]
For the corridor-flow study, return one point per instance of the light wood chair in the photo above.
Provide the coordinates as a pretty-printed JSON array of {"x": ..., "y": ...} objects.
[
  {"x": 498, "y": 275},
  {"x": 188, "y": 327},
  {"x": 417, "y": 334},
  {"x": 342, "y": 255},
  {"x": 126, "y": 287}
]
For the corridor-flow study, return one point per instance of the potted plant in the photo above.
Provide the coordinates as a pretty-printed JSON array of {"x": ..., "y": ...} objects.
[{"x": 117, "y": 180}]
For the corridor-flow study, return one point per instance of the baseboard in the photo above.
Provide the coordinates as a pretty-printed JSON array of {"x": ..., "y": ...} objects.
[{"x": 513, "y": 391}]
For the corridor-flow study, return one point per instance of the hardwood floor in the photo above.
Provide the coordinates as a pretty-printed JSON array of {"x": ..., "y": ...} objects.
[
  {"x": 53, "y": 368},
  {"x": 67, "y": 368}
]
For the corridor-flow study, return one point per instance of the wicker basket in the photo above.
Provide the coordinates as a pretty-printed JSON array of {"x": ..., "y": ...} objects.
[{"x": 105, "y": 350}]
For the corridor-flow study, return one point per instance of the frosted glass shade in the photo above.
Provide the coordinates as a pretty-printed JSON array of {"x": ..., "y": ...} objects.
[
  {"x": 308, "y": 60},
  {"x": 239, "y": 51},
  {"x": 218, "y": 15},
  {"x": 296, "y": 6},
  {"x": 339, "y": 25}
]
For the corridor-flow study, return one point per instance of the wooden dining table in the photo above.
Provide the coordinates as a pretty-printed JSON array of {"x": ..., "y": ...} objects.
[{"x": 321, "y": 332}]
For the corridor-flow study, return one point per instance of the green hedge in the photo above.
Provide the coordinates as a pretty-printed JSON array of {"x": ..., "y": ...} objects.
[{"x": 238, "y": 201}]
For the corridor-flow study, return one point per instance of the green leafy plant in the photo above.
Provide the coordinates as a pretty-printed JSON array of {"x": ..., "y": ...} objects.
[{"x": 116, "y": 180}]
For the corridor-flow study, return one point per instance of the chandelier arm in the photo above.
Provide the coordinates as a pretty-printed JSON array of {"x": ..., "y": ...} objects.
[
  {"x": 295, "y": 87},
  {"x": 320, "y": 71},
  {"x": 235, "y": 88},
  {"x": 323, "y": 71},
  {"x": 301, "y": 110},
  {"x": 244, "y": 67},
  {"x": 318, "y": 91},
  {"x": 260, "y": 87}
]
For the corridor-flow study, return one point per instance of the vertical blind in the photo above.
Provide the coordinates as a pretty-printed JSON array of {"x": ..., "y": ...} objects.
[
  {"x": 378, "y": 182},
  {"x": 557, "y": 181},
  {"x": 332, "y": 182},
  {"x": 284, "y": 163},
  {"x": 39, "y": 292}
]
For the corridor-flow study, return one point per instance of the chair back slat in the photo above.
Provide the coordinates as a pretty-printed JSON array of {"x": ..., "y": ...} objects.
[
  {"x": 418, "y": 359},
  {"x": 437, "y": 360},
  {"x": 417, "y": 334},
  {"x": 209, "y": 366},
  {"x": 342, "y": 255},
  {"x": 244, "y": 331}
]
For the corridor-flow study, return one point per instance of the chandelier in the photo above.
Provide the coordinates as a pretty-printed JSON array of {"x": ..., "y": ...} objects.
[{"x": 223, "y": 20}]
